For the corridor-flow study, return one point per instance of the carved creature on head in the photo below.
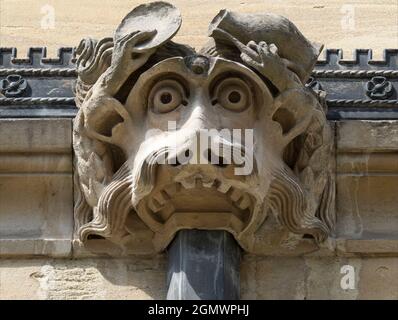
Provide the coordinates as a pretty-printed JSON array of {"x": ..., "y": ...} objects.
[{"x": 144, "y": 170}]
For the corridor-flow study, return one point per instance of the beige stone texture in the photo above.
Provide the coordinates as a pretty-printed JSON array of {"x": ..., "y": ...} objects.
[
  {"x": 261, "y": 278},
  {"x": 320, "y": 20},
  {"x": 82, "y": 279},
  {"x": 372, "y": 255},
  {"x": 367, "y": 185},
  {"x": 318, "y": 278},
  {"x": 36, "y": 187}
]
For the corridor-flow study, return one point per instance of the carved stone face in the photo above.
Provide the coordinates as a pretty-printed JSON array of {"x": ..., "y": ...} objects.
[
  {"x": 204, "y": 142},
  {"x": 176, "y": 105}
]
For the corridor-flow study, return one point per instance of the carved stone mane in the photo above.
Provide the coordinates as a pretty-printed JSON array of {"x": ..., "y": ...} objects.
[{"x": 250, "y": 76}]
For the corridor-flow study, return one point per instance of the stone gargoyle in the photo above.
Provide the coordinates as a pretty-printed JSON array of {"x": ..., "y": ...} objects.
[{"x": 144, "y": 102}]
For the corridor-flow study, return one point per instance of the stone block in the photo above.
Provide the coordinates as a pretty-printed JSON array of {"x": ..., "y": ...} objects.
[
  {"x": 36, "y": 187},
  {"x": 367, "y": 136},
  {"x": 85, "y": 279},
  {"x": 273, "y": 278},
  {"x": 314, "y": 278},
  {"x": 367, "y": 185}
]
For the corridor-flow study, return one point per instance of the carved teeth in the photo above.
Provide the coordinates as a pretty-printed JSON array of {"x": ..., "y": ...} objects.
[
  {"x": 154, "y": 205},
  {"x": 188, "y": 184},
  {"x": 165, "y": 195},
  {"x": 223, "y": 187},
  {"x": 208, "y": 183},
  {"x": 235, "y": 194},
  {"x": 161, "y": 198},
  {"x": 198, "y": 182},
  {"x": 167, "y": 211},
  {"x": 161, "y": 203},
  {"x": 243, "y": 202},
  {"x": 171, "y": 190}
]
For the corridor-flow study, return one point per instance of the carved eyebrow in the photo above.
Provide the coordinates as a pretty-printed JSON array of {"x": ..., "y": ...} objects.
[
  {"x": 166, "y": 75},
  {"x": 170, "y": 76},
  {"x": 272, "y": 88},
  {"x": 229, "y": 74},
  {"x": 240, "y": 70}
]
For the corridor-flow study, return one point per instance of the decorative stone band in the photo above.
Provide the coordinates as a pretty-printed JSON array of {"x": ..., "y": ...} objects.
[
  {"x": 362, "y": 103},
  {"x": 358, "y": 87},
  {"x": 37, "y": 101},
  {"x": 38, "y": 72},
  {"x": 354, "y": 73},
  {"x": 71, "y": 72},
  {"x": 50, "y": 83},
  {"x": 37, "y": 57},
  {"x": 361, "y": 59}
]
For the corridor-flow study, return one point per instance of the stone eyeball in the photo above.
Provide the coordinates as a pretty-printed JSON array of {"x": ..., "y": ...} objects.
[
  {"x": 233, "y": 94},
  {"x": 166, "y": 96}
]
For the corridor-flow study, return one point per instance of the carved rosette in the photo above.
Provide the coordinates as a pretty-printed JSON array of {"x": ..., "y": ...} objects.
[
  {"x": 379, "y": 88},
  {"x": 13, "y": 86},
  {"x": 145, "y": 103}
]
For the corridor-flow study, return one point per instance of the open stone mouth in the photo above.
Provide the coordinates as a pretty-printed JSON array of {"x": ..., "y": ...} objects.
[{"x": 197, "y": 202}]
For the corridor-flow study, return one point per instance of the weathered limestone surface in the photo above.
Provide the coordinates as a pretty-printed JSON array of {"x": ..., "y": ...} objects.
[
  {"x": 366, "y": 159},
  {"x": 261, "y": 278},
  {"x": 82, "y": 279},
  {"x": 318, "y": 278},
  {"x": 36, "y": 187},
  {"x": 139, "y": 216},
  {"x": 362, "y": 228},
  {"x": 367, "y": 186}
]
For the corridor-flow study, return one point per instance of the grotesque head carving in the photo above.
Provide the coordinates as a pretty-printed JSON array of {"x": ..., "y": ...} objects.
[{"x": 225, "y": 139}]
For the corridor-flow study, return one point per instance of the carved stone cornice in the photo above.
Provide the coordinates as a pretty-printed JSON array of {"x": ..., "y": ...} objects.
[
  {"x": 49, "y": 81},
  {"x": 40, "y": 72},
  {"x": 348, "y": 102},
  {"x": 346, "y": 80}
]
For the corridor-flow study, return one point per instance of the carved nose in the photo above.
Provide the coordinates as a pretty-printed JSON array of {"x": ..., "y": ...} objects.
[
  {"x": 209, "y": 158},
  {"x": 216, "y": 160}
]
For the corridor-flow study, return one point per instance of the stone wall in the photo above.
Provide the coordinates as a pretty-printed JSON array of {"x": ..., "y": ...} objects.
[
  {"x": 38, "y": 260},
  {"x": 36, "y": 187},
  {"x": 38, "y": 257},
  {"x": 261, "y": 278}
]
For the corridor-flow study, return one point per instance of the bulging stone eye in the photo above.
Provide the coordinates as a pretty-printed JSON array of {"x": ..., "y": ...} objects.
[
  {"x": 166, "y": 96},
  {"x": 233, "y": 94}
]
